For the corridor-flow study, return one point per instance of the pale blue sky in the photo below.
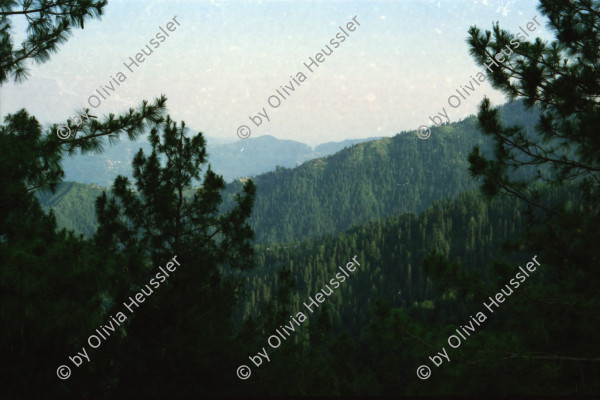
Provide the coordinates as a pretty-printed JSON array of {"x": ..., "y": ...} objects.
[{"x": 227, "y": 57}]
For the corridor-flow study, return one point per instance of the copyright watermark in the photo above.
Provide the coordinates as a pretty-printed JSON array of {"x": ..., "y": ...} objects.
[
  {"x": 63, "y": 372},
  {"x": 423, "y": 132},
  {"x": 103, "y": 332},
  {"x": 455, "y": 341},
  {"x": 244, "y": 132},
  {"x": 423, "y": 372},
  {"x": 243, "y": 372},
  {"x": 275, "y": 340},
  {"x": 64, "y": 132},
  {"x": 286, "y": 91}
]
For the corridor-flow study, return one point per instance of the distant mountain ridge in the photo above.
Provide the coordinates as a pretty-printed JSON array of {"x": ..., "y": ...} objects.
[
  {"x": 242, "y": 158},
  {"x": 365, "y": 182},
  {"x": 370, "y": 181}
]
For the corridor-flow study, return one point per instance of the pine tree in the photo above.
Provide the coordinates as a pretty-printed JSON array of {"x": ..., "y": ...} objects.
[
  {"x": 53, "y": 285},
  {"x": 562, "y": 79},
  {"x": 185, "y": 332},
  {"x": 49, "y": 25}
]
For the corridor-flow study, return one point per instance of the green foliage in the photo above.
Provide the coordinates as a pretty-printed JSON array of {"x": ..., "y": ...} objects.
[
  {"x": 562, "y": 79},
  {"x": 49, "y": 25},
  {"x": 73, "y": 204},
  {"x": 420, "y": 276},
  {"x": 368, "y": 181},
  {"x": 391, "y": 252},
  {"x": 194, "y": 307},
  {"x": 52, "y": 284}
]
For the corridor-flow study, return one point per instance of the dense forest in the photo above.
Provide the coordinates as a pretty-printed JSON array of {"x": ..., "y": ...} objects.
[
  {"x": 368, "y": 181},
  {"x": 159, "y": 287},
  {"x": 399, "y": 281},
  {"x": 467, "y": 229},
  {"x": 245, "y": 158}
]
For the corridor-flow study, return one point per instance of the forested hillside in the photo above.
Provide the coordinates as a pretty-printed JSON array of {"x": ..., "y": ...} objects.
[
  {"x": 254, "y": 156},
  {"x": 391, "y": 253},
  {"x": 469, "y": 259},
  {"x": 242, "y": 158},
  {"x": 73, "y": 206},
  {"x": 368, "y": 181},
  {"x": 377, "y": 306}
]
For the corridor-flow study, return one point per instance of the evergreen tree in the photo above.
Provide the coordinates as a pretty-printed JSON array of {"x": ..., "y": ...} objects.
[
  {"x": 548, "y": 326},
  {"x": 562, "y": 79},
  {"x": 49, "y": 25},
  {"x": 53, "y": 285},
  {"x": 182, "y": 340}
]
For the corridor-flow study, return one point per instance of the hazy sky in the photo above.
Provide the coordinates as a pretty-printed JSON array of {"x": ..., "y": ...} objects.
[{"x": 226, "y": 58}]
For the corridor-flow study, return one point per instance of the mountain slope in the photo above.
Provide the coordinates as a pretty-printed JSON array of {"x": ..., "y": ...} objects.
[
  {"x": 368, "y": 181},
  {"x": 242, "y": 158},
  {"x": 391, "y": 253},
  {"x": 74, "y": 206}
]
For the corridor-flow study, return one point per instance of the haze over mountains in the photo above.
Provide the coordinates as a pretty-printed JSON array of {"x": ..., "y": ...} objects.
[
  {"x": 366, "y": 182},
  {"x": 390, "y": 201},
  {"x": 241, "y": 158}
]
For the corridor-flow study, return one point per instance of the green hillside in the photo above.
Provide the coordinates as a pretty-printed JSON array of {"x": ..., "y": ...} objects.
[
  {"x": 368, "y": 181},
  {"x": 73, "y": 206},
  {"x": 391, "y": 252},
  {"x": 380, "y": 322}
]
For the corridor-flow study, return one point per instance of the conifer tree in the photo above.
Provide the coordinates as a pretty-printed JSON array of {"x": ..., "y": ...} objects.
[
  {"x": 562, "y": 79},
  {"x": 542, "y": 339},
  {"x": 53, "y": 285},
  {"x": 49, "y": 23},
  {"x": 182, "y": 336}
]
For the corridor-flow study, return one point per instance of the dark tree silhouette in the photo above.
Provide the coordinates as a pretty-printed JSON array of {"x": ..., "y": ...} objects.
[{"x": 184, "y": 332}]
